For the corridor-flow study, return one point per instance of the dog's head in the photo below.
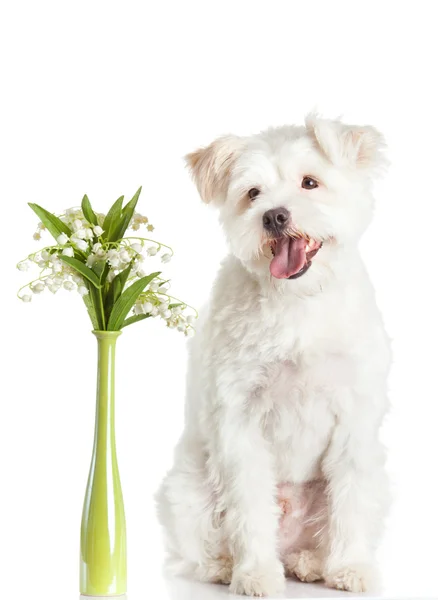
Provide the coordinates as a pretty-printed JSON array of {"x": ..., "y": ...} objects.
[{"x": 290, "y": 195}]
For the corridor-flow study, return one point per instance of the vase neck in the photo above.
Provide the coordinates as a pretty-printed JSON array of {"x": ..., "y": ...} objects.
[{"x": 105, "y": 394}]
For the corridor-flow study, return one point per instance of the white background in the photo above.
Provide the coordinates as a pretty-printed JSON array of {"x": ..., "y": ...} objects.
[{"x": 100, "y": 97}]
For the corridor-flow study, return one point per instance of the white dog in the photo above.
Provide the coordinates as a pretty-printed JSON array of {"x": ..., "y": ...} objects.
[{"x": 280, "y": 470}]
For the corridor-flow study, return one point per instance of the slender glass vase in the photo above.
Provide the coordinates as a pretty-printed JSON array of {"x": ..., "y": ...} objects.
[{"x": 103, "y": 529}]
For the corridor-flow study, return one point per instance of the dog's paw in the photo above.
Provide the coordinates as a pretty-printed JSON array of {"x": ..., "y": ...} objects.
[
  {"x": 305, "y": 565},
  {"x": 354, "y": 578},
  {"x": 265, "y": 580},
  {"x": 218, "y": 570}
]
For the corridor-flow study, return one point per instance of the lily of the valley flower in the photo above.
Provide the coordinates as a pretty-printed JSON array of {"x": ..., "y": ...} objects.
[
  {"x": 107, "y": 258},
  {"x": 62, "y": 239}
]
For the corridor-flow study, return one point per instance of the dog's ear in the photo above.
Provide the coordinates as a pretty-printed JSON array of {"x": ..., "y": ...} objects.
[
  {"x": 211, "y": 167},
  {"x": 348, "y": 145}
]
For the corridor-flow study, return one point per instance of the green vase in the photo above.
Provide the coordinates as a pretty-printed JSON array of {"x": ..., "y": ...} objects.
[{"x": 103, "y": 529}]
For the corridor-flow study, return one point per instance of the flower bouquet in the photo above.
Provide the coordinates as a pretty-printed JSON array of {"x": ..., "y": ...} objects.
[{"x": 108, "y": 270}]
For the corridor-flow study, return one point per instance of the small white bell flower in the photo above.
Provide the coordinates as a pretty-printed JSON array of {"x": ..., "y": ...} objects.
[
  {"x": 124, "y": 256},
  {"x": 23, "y": 266},
  {"x": 37, "y": 236},
  {"x": 89, "y": 234},
  {"x": 91, "y": 259},
  {"x": 164, "y": 287},
  {"x": 154, "y": 311},
  {"x": 140, "y": 272},
  {"x": 77, "y": 224},
  {"x": 26, "y": 298},
  {"x": 177, "y": 310},
  {"x": 98, "y": 230},
  {"x": 68, "y": 251},
  {"x": 139, "y": 309},
  {"x": 166, "y": 258},
  {"x": 57, "y": 281},
  {"x": 153, "y": 286},
  {"x": 48, "y": 281},
  {"x": 81, "y": 234},
  {"x": 96, "y": 247},
  {"x": 166, "y": 314},
  {"x": 147, "y": 307},
  {"x": 191, "y": 319},
  {"x": 181, "y": 326},
  {"x": 83, "y": 291},
  {"x": 45, "y": 255},
  {"x": 137, "y": 248},
  {"x": 80, "y": 244},
  {"x": 110, "y": 276},
  {"x": 62, "y": 239},
  {"x": 69, "y": 285},
  {"x": 37, "y": 288},
  {"x": 54, "y": 288},
  {"x": 152, "y": 251}
]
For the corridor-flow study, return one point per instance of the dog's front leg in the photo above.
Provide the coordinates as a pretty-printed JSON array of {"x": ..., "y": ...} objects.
[
  {"x": 357, "y": 499},
  {"x": 251, "y": 518}
]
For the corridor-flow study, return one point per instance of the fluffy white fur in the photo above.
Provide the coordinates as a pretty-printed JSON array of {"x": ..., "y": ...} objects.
[{"x": 279, "y": 470}]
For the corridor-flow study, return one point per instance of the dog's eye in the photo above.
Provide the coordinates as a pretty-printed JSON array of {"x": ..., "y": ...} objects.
[
  {"x": 309, "y": 183},
  {"x": 253, "y": 192}
]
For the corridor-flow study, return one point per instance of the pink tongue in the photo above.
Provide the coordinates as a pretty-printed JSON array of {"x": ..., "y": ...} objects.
[{"x": 290, "y": 257}]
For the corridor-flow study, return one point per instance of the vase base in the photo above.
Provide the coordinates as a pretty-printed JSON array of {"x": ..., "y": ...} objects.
[{"x": 119, "y": 596}]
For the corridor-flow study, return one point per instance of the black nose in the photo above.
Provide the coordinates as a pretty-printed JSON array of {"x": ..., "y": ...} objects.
[{"x": 275, "y": 220}]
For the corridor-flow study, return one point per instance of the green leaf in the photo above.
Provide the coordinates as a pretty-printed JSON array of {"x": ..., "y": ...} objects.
[
  {"x": 126, "y": 301},
  {"x": 115, "y": 289},
  {"x": 123, "y": 277},
  {"x": 127, "y": 214},
  {"x": 134, "y": 319},
  {"x": 89, "y": 213},
  {"x": 90, "y": 308},
  {"x": 54, "y": 225},
  {"x": 97, "y": 310},
  {"x": 82, "y": 269},
  {"x": 99, "y": 267},
  {"x": 113, "y": 218}
]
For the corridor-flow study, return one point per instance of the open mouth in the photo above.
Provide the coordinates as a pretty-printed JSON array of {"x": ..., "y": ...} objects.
[{"x": 292, "y": 256}]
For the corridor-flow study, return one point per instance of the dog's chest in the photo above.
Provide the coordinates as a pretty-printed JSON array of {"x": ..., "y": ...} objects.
[{"x": 297, "y": 420}]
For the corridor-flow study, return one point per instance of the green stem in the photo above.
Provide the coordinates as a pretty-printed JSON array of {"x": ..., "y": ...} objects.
[{"x": 102, "y": 309}]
